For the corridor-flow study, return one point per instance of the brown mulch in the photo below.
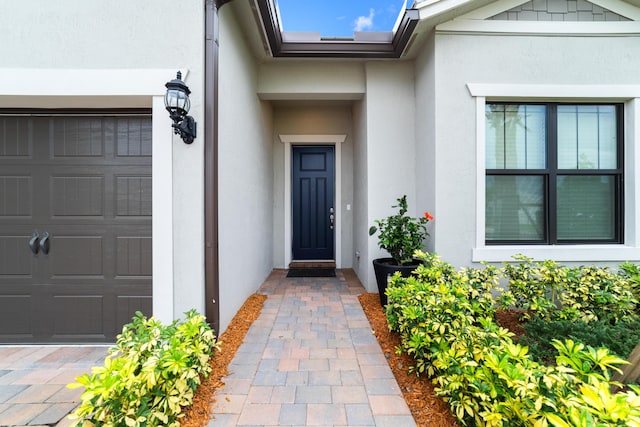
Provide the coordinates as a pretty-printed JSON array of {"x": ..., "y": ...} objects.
[
  {"x": 427, "y": 408},
  {"x": 513, "y": 320},
  {"x": 198, "y": 414}
]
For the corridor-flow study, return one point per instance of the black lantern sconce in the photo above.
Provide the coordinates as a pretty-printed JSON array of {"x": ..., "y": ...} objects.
[{"x": 177, "y": 103}]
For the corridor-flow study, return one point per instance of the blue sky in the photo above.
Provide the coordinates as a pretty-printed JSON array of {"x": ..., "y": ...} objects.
[{"x": 339, "y": 18}]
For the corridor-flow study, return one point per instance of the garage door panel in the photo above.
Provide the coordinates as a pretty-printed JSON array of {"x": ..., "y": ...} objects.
[
  {"x": 127, "y": 305},
  {"x": 15, "y": 138},
  {"x": 17, "y": 259},
  {"x": 15, "y": 316},
  {"x": 78, "y": 315},
  {"x": 77, "y": 137},
  {"x": 134, "y": 138},
  {"x": 133, "y": 195},
  {"x": 77, "y": 196},
  {"x": 16, "y": 194},
  {"x": 133, "y": 256},
  {"x": 76, "y": 256}
]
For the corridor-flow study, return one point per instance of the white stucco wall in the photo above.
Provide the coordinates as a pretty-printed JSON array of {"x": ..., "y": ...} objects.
[
  {"x": 522, "y": 60},
  {"x": 320, "y": 119},
  {"x": 311, "y": 80},
  {"x": 80, "y": 54},
  {"x": 426, "y": 114},
  {"x": 245, "y": 173},
  {"x": 391, "y": 149},
  {"x": 361, "y": 237}
]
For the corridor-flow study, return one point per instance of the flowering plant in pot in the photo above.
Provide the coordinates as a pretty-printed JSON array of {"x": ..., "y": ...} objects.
[{"x": 400, "y": 235}]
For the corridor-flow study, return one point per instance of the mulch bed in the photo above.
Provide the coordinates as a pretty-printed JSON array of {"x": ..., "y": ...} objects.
[
  {"x": 513, "y": 320},
  {"x": 198, "y": 414}
]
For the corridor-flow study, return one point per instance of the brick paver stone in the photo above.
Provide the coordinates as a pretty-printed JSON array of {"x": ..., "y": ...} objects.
[{"x": 316, "y": 362}]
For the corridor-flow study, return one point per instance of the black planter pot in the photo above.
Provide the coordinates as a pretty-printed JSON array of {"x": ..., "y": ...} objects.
[{"x": 385, "y": 267}]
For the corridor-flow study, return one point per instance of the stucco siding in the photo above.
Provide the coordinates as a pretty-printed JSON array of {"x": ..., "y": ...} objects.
[
  {"x": 94, "y": 34},
  {"x": 426, "y": 113},
  {"x": 518, "y": 60},
  {"x": 360, "y": 195},
  {"x": 298, "y": 80},
  {"x": 391, "y": 160},
  {"x": 245, "y": 174}
]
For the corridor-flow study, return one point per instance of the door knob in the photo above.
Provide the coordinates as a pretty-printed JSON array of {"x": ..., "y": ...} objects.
[
  {"x": 33, "y": 242},
  {"x": 44, "y": 243}
]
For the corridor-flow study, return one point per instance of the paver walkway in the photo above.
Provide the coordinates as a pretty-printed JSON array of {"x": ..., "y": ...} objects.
[
  {"x": 310, "y": 360},
  {"x": 33, "y": 382}
]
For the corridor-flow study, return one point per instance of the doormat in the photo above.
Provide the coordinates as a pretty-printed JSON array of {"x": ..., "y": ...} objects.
[{"x": 312, "y": 272}]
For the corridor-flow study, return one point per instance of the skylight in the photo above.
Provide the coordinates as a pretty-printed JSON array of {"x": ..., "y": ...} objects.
[{"x": 339, "y": 18}]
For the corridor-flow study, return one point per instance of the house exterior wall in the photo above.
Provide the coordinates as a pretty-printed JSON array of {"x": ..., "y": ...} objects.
[
  {"x": 381, "y": 123},
  {"x": 390, "y": 147},
  {"x": 313, "y": 80},
  {"x": 361, "y": 260},
  {"x": 314, "y": 120},
  {"x": 245, "y": 173},
  {"x": 78, "y": 54},
  {"x": 426, "y": 114},
  {"x": 577, "y": 64}
]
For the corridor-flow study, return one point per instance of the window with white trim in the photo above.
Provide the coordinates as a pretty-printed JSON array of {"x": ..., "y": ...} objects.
[{"x": 554, "y": 173}]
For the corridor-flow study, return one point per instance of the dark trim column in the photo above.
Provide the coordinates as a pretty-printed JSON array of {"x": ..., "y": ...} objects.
[{"x": 212, "y": 278}]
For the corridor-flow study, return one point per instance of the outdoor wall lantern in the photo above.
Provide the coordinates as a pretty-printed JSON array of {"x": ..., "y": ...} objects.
[{"x": 177, "y": 103}]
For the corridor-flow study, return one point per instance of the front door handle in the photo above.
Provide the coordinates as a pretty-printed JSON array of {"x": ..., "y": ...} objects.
[
  {"x": 33, "y": 242},
  {"x": 331, "y": 218},
  {"x": 44, "y": 243}
]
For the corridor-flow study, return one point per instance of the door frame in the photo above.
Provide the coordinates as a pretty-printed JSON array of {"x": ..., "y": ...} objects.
[{"x": 312, "y": 139}]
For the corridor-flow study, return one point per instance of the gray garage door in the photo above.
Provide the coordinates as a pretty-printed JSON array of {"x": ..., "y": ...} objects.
[{"x": 75, "y": 224}]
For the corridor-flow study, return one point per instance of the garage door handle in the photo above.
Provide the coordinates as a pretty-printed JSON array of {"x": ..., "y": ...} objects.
[
  {"x": 44, "y": 243},
  {"x": 33, "y": 243}
]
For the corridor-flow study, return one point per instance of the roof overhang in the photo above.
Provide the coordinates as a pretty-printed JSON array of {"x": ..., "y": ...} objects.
[{"x": 358, "y": 47}]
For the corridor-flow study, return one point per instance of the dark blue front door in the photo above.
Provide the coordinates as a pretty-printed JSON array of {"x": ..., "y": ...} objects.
[{"x": 313, "y": 206}]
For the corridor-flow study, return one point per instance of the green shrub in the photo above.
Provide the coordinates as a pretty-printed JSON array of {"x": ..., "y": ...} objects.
[
  {"x": 149, "y": 375},
  {"x": 552, "y": 291},
  {"x": 632, "y": 273},
  {"x": 531, "y": 286},
  {"x": 593, "y": 293},
  {"x": 438, "y": 299},
  {"x": 620, "y": 338},
  {"x": 445, "y": 322}
]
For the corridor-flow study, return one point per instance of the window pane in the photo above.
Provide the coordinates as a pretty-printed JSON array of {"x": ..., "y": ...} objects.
[
  {"x": 586, "y": 207},
  {"x": 514, "y": 208},
  {"x": 608, "y": 137},
  {"x": 515, "y": 136},
  {"x": 587, "y": 137}
]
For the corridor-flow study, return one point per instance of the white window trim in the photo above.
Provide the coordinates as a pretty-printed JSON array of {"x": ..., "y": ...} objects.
[
  {"x": 332, "y": 140},
  {"x": 630, "y": 95}
]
